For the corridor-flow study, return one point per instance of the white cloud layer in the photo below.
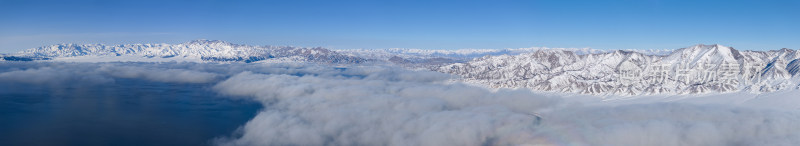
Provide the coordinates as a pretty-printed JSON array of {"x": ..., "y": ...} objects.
[
  {"x": 323, "y": 105},
  {"x": 97, "y": 73},
  {"x": 669, "y": 124},
  {"x": 158, "y": 74},
  {"x": 397, "y": 108},
  {"x": 394, "y": 108}
]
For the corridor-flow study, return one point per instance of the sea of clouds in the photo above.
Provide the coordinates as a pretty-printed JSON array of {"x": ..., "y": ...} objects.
[{"x": 307, "y": 104}]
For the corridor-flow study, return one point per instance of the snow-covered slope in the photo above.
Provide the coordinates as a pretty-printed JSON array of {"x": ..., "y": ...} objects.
[
  {"x": 206, "y": 50},
  {"x": 691, "y": 70},
  {"x": 419, "y": 55},
  {"x": 696, "y": 69}
]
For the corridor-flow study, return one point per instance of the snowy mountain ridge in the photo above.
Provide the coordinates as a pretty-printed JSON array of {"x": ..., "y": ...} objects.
[
  {"x": 691, "y": 70},
  {"x": 695, "y": 69},
  {"x": 206, "y": 50},
  {"x": 474, "y": 53}
]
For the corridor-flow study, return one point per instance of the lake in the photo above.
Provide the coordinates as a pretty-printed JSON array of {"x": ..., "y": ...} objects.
[{"x": 126, "y": 112}]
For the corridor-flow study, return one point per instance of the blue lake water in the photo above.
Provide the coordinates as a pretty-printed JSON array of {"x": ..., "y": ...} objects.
[{"x": 127, "y": 112}]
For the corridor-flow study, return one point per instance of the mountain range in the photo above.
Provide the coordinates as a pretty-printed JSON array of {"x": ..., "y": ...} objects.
[
  {"x": 203, "y": 50},
  {"x": 692, "y": 70}
]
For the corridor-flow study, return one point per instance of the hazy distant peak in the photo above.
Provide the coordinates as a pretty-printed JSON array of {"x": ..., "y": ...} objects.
[{"x": 207, "y": 42}]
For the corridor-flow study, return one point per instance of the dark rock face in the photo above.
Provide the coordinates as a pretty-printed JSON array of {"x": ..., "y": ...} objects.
[{"x": 15, "y": 58}]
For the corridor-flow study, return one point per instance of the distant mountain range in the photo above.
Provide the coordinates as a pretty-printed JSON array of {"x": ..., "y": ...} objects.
[
  {"x": 692, "y": 70},
  {"x": 205, "y": 50}
]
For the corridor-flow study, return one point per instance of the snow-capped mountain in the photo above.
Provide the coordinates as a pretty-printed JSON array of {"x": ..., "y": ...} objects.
[
  {"x": 691, "y": 70},
  {"x": 206, "y": 50},
  {"x": 429, "y": 58},
  {"x": 469, "y": 54},
  {"x": 696, "y": 69}
]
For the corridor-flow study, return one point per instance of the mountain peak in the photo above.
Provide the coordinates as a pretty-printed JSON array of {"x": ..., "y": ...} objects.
[
  {"x": 205, "y": 42},
  {"x": 702, "y": 54},
  {"x": 712, "y": 46}
]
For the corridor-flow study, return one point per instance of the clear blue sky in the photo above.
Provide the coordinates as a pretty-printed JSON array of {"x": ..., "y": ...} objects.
[{"x": 426, "y": 24}]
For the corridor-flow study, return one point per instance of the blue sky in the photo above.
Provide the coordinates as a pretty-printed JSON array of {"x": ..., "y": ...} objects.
[{"x": 445, "y": 24}]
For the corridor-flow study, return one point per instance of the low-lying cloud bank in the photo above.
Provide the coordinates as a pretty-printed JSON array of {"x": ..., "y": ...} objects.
[
  {"x": 398, "y": 108},
  {"x": 669, "y": 124},
  {"x": 58, "y": 73},
  {"x": 373, "y": 105},
  {"x": 404, "y": 110},
  {"x": 97, "y": 73}
]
